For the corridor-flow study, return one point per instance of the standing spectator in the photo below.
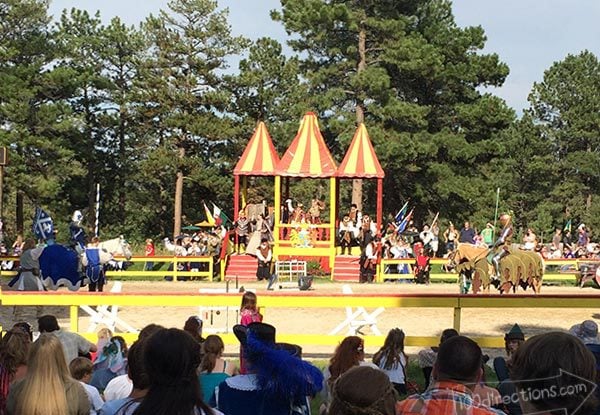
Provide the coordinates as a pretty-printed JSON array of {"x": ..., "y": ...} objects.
[
  {"x": 94, "y": 258},
  {"x": 529, "y": 240},
  {"x": 467, "y": 234},
  {"x": 567, "y": 240},
  {"x": 171, "y": 359},
  {"x": 72, "y": 343},
  {"x": 456, "y": 372},
  {"x": 48, "y": 388},
  {"x": 435, "y": 239},
  {"x": 81, "y": 370},
  {"x": 363, "y": 390},
  {"x": 213, "y": 368},
  {"x": 18, "y": 245},
  {"x": 450, "y": 236},
  {"x": 583, "y": 238},
  {"x": 392, "y": 360},
  {"x": 14, "y": 348},
  {"x": 278, "y": 382},
  {"x": 264, "y": 255},
  {"x": 426, "y": 236},
  {"x": 559, "y": 362},
  {"x": 488, "y": 234},
  {"x": 149, "y": 251},
  {"x": 557, "y": 240}
]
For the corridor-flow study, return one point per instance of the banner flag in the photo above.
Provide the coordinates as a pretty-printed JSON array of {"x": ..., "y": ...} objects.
[{"x": 43, "y": 226}]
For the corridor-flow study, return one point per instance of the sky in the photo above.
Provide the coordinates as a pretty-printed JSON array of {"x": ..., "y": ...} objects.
[{"x": 528, "y": 35}]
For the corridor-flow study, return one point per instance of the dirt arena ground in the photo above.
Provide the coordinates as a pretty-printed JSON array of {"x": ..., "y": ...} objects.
[{"x": 414, "y": 321}]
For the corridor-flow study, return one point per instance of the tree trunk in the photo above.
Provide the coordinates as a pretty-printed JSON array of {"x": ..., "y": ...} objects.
[
  {"x": 178, "y": 194},
  {"x": 122, "y": 163},
  {"x": 357, "y": 195},
  {"x": 19, "y": 212}
]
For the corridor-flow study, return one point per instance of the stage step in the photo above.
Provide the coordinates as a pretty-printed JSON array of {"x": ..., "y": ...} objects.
[
  {"x": 346, "y": 268},
  {"x": 242, "y": 266}
]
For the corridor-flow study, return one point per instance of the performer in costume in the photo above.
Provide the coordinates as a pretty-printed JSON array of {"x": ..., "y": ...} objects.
[
  {"x": 77, "y": 232},
  {"x": 264, "y": 255},
  {"x": 369, "y": 259},
  {"x": 505, "y": 241},
  {"x": 94, "y": 258}
]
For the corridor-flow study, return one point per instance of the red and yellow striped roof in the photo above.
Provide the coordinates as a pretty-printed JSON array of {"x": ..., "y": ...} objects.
[
  {"x": 259, "y": 158},
  {"x": 361, "y": 160},
  {"x": 308, "y": 155}
]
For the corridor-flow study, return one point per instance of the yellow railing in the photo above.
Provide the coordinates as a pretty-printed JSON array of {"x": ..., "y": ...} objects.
[{"x": 300, "y": 300}]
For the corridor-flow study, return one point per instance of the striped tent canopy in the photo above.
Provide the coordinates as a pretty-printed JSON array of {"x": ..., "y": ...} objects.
[
  {"x": 259, "y": 158},
  {"x": 360, "y": 160},
  {"x": 308, "y": 155}
]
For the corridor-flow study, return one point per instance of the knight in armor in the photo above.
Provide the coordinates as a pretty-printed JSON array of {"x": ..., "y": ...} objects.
[
  {"x": 504, "y": 241},
  {"x": 77, "y": 232}
]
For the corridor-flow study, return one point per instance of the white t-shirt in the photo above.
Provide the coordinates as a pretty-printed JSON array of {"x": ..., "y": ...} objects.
[{"x": 118, "y": 388}]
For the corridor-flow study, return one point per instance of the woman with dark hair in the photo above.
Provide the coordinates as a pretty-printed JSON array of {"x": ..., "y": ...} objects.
[
  {"x": 193, "y": 326},
  {"x": 171, "y": 360},
  {"x": 213, "y": 368},
  {"x": 392, "y": 360},
  {"x": 14, "y": 348}
]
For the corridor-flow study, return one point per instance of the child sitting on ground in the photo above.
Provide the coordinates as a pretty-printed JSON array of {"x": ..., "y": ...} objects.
[{"x": 81, "y": 370}]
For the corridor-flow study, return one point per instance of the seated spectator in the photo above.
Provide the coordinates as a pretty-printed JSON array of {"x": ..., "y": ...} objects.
[
  {"x": 48, "y": 388},
  {"x": 512, "y": 340},
  {"x": 213, "y": 368},
  {"x": 110, "y": 363},
  {"x": 139, "y": 379},
  {"x": 278, "y": 382},
  {"x": 193, "y": 326},
  {"x": 349, "y": 353},
  {"x": 14, "y": 348},
  {"x": 427, "y": 357},
  {"x": 456, "y": 371},
  {"x": 555, "y": 373},
  {"x": 392, "y": 360},
  {"x": 587, "y": 332},
  {"x": 73, "y": 344},
  {"x": 171, "y": 359},
  {"x": 362, "y": 390},
  {"x": 81, "y": 370},
  {"x": 122, "y": 386}
]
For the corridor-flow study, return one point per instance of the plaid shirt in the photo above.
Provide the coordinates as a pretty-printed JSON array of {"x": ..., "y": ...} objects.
[{"x": 444, "y": 398}]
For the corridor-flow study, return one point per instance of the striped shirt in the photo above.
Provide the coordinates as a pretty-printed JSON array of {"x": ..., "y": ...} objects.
[{"x": 444, "y": 398}]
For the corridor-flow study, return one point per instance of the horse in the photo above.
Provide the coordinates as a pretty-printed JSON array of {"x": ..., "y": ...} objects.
[
  {"x": 60, "y": 265},
  {"x": 520, "y": 268},
  {"x": 117, "y": 247}
]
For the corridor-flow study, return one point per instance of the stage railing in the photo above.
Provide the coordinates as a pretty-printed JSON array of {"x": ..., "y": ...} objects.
[{"x": 274, "y": 301}]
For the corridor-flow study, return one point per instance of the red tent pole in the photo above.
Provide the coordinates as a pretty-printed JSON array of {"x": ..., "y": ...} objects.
[
  {"x": 379, "y": 203},
  {"x": 236, "y": 196}
]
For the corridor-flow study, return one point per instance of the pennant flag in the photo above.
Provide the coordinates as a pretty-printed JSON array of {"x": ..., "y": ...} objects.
[
  {"x": 43, "y": 227},
  {"x": 209, "y": 216},
  {"x": 435, "y": 219},
  {"x": 568, "y": 226},
  {"x": 402, "y": 226},
  {"x": 219, "y": 214},
  {"x": 400, "y": 215}
]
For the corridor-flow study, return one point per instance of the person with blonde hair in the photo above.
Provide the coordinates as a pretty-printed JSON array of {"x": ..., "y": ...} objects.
[{"x": 48, "y": 388}]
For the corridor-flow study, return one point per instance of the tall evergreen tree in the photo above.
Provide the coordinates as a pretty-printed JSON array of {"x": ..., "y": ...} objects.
[
  {"x": 412, "y": 75},
  {"x": 34, "y": 117},
  {"x": 182, "y": 93},
  {"x": 566, "y": 104}
]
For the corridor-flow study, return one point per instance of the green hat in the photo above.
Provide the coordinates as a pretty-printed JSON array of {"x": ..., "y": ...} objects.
[{"x": 515, "y": 333}]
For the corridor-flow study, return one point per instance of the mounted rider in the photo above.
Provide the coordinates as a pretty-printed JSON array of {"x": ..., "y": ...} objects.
[
  {"x": 504, "y": 241},
  {"x": 77, "y": 233}
]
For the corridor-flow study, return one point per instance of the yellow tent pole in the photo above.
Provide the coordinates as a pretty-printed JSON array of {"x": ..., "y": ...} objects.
[
  {"x": 277, "y": 216},
  {"x": 332, "y": 219}
]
